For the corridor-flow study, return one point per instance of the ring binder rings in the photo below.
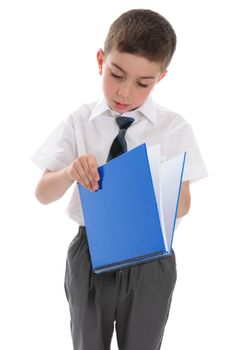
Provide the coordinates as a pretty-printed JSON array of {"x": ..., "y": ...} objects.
[{"x": 131, "y": 219}]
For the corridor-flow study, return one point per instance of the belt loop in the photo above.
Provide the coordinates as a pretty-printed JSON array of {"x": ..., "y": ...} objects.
[{"x": 82, "y": 230}]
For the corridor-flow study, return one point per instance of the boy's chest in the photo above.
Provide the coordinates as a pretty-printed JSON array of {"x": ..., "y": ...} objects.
[{"x": 98, "y": 141}]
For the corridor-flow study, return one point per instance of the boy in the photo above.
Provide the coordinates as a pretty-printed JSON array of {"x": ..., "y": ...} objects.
[{"x": 137, "y": 51}]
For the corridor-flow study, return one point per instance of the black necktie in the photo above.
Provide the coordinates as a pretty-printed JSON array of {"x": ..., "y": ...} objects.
[{"x": 119, "y": 145}]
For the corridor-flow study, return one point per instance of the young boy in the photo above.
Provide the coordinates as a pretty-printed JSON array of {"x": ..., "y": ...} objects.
[{"x": 137, "y": 51}]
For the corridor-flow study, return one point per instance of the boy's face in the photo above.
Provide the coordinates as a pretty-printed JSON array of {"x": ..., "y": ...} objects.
[{"x": 127, "y": 79}]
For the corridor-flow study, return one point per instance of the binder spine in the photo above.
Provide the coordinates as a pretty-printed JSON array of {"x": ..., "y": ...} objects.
[
  {"x": 149, "y": 256},
  {"x": 131, "y": 262}
]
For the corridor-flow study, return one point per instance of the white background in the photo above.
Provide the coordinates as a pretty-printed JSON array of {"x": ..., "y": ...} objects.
[{"x": 48, "y": 68}]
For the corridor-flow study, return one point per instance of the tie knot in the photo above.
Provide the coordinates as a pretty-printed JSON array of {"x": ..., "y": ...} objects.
[{"x": 124, "y": 122}]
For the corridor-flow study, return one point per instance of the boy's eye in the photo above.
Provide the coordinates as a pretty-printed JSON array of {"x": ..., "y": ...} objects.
[
  {"x": 142, "y": 85},
  {"x": 116, "y": 76},
  {"x": 121, "y": 77}
]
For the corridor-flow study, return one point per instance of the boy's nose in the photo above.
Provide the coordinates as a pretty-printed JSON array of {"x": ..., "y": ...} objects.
[{"x": 124, "y": 91}]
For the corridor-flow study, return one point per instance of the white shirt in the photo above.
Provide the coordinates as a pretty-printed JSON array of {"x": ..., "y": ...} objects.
[{"x": 92, "y": 128}]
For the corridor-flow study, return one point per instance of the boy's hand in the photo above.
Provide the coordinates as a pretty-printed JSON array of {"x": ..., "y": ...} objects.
[{"x": 84, "y": 170}]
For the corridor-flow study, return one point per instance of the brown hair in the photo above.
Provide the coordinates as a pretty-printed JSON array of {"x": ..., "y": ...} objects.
[{"x": 142, "y": 32}]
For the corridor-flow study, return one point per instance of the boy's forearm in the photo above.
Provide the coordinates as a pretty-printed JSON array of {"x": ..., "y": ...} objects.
[
  {"x": 185, "y": 200},
  {"x": 52, "y": 186}
]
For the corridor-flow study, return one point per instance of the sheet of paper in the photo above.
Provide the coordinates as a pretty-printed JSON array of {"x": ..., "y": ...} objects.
[
  {"x": 154, "y": 157},
  {"x": 170, "y": 180}
]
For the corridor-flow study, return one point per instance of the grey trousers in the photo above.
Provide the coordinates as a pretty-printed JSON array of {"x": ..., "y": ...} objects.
[{"x": 137, "y": 298}]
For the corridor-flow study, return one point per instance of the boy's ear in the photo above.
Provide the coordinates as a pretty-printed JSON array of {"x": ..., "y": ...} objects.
[
  {"x": 161, "y": 76},
  {"x": 100, "y": 60}
]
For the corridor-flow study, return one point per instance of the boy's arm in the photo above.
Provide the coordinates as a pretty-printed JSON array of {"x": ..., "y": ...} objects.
[
  {"x": 185, "y": 200},
  {"x": 53, "y": 184}
]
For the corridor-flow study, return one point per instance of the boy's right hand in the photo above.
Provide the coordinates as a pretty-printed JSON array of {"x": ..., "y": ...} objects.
[{"x": 84, "y": 169}]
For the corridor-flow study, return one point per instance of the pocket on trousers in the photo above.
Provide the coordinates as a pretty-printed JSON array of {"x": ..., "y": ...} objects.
[
  {"x": 66, "y": 288},
  {"x": 165, "y": 270},
  {"x": 171, "y": 261},
  {"x": 73, "y": 247},
  {"x": 71, "y": 253}
]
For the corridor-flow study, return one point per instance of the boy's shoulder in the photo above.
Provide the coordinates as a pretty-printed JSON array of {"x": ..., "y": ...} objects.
[
  {"x": 84, "y": 110},
  {"x": 163, "y": 111},
  {"x": 87, "y": 111},
  {"x": 168, "y": 117}
]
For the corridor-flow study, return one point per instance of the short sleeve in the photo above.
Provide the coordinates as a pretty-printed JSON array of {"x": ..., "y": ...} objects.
[
  {"x": 59, "y": 149},
  {"x": 195, "y": 168}
]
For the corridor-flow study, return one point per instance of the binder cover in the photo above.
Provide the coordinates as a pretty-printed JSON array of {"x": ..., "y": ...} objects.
[{"x": 122, "y": 219}]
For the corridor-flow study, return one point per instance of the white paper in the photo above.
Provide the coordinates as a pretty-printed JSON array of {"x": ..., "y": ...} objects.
[
  {"x": 166, "y": 181},
  {"x": 170, "y": 176},
  {"x": 154, "y": 158}
]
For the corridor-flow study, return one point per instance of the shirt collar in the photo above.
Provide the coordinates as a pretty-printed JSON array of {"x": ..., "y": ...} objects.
[
  {"x": 99, "y": 109},
  {"x": 147, "y": 109}
]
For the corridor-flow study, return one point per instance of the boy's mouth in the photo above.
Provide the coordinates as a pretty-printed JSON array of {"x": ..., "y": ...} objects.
[{"x": 120, "y": 105}]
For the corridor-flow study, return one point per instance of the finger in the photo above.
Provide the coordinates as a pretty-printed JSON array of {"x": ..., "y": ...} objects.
[
  {"x": 81, "y": 175},
  {"x": 93, "y": 184},
  {"x": 93, "y": 172},
  {"x": 88, "y": 172}
]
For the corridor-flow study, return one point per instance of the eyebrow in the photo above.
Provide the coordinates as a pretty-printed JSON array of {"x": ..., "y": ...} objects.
[{"x": 122, "y": 70}]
